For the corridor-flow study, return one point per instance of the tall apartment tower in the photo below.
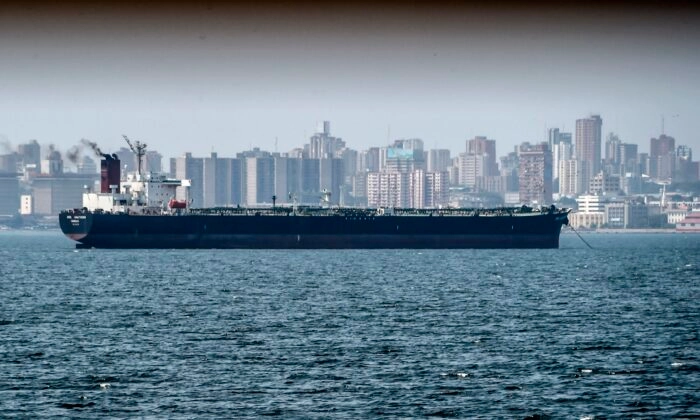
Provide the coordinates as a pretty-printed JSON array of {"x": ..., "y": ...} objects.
[
  {"x": 481, "y": 146},
  {"x": 322, "y": 144},
  {"x": 535, "y": 174},
  {"x": 192, "y": 168},
  {"x": 588, "y": 146},
  {"x": 662, "y": 152},
  {"x": 569, "y": 177},
  {"x": 438, "y": 160},
  {"x": 260, "y": 180},
  {"x": 612, "y": 150},
  {"x": 562, "y": 149}
]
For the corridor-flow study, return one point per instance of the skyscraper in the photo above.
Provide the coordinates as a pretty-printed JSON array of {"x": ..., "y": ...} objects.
[
  {"x": 562, "y": 149},
  {"x": 322, "y": 144},
  {"x": 588, "y": 146},
  {"x": 535, "y": 174},
  {"x": 662, "y": 156}
]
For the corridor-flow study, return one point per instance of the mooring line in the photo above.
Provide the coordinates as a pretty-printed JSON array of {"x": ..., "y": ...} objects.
[{"x": 581, "y": 237}]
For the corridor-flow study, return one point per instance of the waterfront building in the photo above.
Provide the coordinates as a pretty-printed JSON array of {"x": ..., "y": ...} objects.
[
  {"x": 9, "y": 193},
  {"x": 589, "y": 204},
  {"x": 53, "y": 193}
]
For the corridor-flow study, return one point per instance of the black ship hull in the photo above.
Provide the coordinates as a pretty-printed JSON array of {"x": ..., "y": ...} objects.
[{"x": 288, "y": 231}]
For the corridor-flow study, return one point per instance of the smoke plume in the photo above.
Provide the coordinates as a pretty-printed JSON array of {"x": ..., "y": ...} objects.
[
  {"x": 93, "y": 146},
  {"x": 73, "y": 154}
]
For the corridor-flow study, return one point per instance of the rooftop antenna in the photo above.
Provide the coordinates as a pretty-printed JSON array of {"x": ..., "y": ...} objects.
[
  {"x": 138, "y": 148},
  {"x": 662, "y": 124}
]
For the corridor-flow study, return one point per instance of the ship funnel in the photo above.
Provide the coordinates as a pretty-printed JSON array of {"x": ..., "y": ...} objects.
[{"x": 110, "y": 172}]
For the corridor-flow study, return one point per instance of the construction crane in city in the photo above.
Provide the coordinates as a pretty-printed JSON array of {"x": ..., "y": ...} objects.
[{"x": 138, "y": 148}]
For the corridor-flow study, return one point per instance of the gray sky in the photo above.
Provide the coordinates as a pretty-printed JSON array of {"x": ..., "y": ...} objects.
[{"x": 201, "y": 78}]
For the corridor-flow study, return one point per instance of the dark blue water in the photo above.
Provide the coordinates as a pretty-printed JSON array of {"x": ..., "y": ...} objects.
[{"x": 567, "y": 333}]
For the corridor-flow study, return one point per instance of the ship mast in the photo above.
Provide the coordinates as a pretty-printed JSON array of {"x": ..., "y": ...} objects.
[{"x": 138, "y": 148}]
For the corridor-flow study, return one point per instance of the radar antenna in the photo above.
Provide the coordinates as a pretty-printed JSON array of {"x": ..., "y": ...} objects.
[{"x": 139, "y": 150}]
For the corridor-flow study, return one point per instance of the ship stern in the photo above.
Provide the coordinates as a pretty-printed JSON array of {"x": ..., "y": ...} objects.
[{"x": 75, "y": 224}]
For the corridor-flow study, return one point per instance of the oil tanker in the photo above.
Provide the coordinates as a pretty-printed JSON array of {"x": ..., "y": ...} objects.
[{"x": 141, "y": 212}]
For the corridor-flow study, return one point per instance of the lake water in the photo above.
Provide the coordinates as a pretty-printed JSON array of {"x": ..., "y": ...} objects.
[{"x": 567, "y": 333}]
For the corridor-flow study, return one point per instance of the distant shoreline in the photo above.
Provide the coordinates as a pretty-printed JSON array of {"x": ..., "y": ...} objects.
[{"x": 614, "y": 231}]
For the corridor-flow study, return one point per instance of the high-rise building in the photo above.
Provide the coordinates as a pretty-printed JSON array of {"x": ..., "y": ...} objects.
[
  {"x": 509, "y": 170},
  {"x": 437, "y": 189},
  {"x": 192, "y": 168},
  {"x": 29, "y": 154},
  {"x": 8, "y": 163},
  {"x": 417, "y": 189},
  {"x": 471, "y": 166},
  {"x": 152, "y": 162},
  {"x": 53, "y": 193},
  {"x": 562, "y": 149},
  {"x": 405, "y": 155},
  {"x": 612, "y": 152},
  {"x": 686, "y": 169},
  {"x": 260, "y": 180},
  {"x": 9, "y": 194},
  {"x": 322, "y": 144},
  {"x": 368, "y": 160},
  {"x": 535, "y": 173},
  {"x": 331, "y": 178},
  {"x": 481, "y": 146},
  {"x": 588, "y": 145},
  {"x": 388, "y": 189},
  {"x": 603, "y": 184},
  {"x": 628, "y": 159},
  {"x": 53, "y": 164},
  {"x": 438, "y": 160},
  {"x": 570, "y": 179},
  {"x": 662, "y": 157}
]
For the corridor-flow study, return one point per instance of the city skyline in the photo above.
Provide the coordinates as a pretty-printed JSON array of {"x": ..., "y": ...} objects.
[
  {"x": 198, "y": 149},
  {"x": 224, "y": 78}
]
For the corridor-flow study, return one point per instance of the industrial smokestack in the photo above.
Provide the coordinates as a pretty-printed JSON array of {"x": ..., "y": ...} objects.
[{"x": 110, "y": 172}]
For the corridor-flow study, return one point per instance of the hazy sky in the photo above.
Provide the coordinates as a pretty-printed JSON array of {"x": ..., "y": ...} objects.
[{"x": 205, "y": 77}]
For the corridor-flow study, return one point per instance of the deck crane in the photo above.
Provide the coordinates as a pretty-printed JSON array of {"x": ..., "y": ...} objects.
[{"x": 138, "y": 148}]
